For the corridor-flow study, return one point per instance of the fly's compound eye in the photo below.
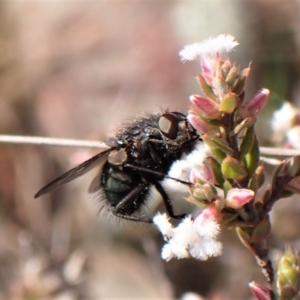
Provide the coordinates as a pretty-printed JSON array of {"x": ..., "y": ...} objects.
[{"x": 168, "y": 126}]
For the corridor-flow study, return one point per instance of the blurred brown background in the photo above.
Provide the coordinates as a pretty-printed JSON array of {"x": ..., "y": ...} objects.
[{"x": 77, "y": 69}]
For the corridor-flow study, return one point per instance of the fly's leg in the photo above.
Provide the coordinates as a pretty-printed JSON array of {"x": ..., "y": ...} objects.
[
  {"x": 161, "y": 175},
  {"x": 117, "y": 210},
  {"x": 168, "y": 202}
]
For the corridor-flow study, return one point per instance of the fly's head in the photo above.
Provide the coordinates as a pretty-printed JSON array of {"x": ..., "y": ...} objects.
[{"x": 175, "y": 127}]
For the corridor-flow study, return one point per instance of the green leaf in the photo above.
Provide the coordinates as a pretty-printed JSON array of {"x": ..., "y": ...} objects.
[
  {"x": 214, "y": 141},
  {"x": 246, "y": 123},
  {"x": 216, "y": 168},
  {"x": 251, "y": 160},
  {"x": 247, "y": 142},
  {"x": 229, "y": 103},
  {"x": 244, "y": 238},
  {"x": 206, "y": 88},
  {"x": 219, "y": 155},
  {"x": 261, "y": 231},
  {"x": 233, "y": 169}
]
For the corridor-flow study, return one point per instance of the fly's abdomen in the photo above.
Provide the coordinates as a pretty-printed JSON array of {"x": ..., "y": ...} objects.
[{"x": 117, "y": 185}]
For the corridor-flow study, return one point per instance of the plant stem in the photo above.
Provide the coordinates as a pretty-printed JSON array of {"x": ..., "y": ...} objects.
[{"x": 42, "y": 141}]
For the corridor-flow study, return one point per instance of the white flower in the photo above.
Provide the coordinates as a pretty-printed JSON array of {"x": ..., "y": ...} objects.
[
  {"x": 210, "y": 230},
  {"x": 213, "y": 247},
  {"x": 220, "y": 44},
  {"x": 195, "y": 158},
  {"x": 197, "y": 251},
  {"x": 293, "y": 137},
  {"x": 185, "y": 232},
  {"x": 179, "y": 250},
  {"x": 183, "y": 169},
  {"x": 163, "y": 224},
  {"x": 167, "y": 253},
  {"x": 180, "y": 169},
  {"x": 190, "y": 52},
  {"x": 283, "y": 120},
  {"x": 187, "y": 240}
]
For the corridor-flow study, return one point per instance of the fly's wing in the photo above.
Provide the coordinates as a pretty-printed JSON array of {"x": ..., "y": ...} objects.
[
  {"x": 75, "y": 172},
  {"x": 96, "y": 182}
]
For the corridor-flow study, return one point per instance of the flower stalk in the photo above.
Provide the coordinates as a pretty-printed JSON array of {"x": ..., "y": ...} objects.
[{"x": 229, "y": 179}]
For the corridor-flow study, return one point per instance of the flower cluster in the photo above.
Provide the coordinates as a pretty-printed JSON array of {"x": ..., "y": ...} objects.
[
  {"x": 227, "y": 173},
  {"x": 191, "y": 238}
]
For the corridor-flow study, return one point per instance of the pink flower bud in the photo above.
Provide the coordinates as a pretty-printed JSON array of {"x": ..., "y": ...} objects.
[
  {"x": 237, "y": 198},
  {"x": 197, "y": 123},
  {"x": 194, "y": 176},
  {"x": 209, "y": 214},
  {"x": 207, "y": 224},
  {"x": 205, "y": 174},
  {"x": 256, "y": 104},
  {"x": 208, "y": 173},
  {"x": 260, "y": 292},
  {"x": 207, "y": 107}
]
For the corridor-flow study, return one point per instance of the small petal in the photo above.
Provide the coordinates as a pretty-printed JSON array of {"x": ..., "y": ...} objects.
[
  {"x": 163, "y": 225},
  {"x": 197, "y": 251},
  {"x": 167, "y": 253},
  {"x": 237, "y": 198},
  {"x": 293, "y": 137},
  {"x": 189, "y": 52},
  {"x": 256, "y": 104},
  {"x": 285, "y": 117},
  {"x": 210, "y": 230},
  {"x": 185, "y": 232},
  {"x": 224, "y": 43},
  {"x": 179, "y": 250},
  {"x": 213, "y": 247}
]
